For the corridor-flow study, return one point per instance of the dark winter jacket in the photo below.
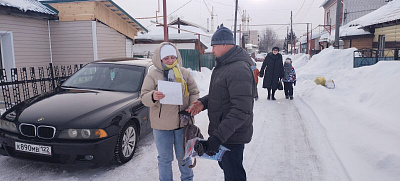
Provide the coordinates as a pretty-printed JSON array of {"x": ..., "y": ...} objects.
[
  {"x": 230, "y": 98},
  {"x": 272, "y": 70}
]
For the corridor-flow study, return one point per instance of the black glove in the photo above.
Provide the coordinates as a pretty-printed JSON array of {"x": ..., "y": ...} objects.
[
  {"x": 199, "y": 147},
  {"x": 212, "y": 146},
  {"x": 294, "y": 83},
  {"x": 261, "y": 74}
]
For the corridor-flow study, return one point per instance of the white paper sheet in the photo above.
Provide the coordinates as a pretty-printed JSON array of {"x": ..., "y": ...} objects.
[{"x": 172, "y": 92}]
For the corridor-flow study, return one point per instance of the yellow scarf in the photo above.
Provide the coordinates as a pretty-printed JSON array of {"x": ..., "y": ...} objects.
[{"x": 178, "y": 76}]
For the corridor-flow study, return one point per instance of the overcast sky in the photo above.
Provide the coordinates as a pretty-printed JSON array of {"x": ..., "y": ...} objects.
[{"x": 261, "y": 12}]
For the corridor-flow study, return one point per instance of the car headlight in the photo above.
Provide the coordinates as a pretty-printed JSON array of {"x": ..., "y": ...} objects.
[
  {"x": 8, "y": 126},
  {"x": 82, "y": 134}
]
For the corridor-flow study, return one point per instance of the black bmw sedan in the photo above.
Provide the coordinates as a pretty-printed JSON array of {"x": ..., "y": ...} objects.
[{"x": 94, "y": 118}]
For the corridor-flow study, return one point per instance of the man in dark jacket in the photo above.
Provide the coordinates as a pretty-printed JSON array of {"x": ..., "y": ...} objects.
[
  {"x": 272, "y": 68},
  {"x": 230, "y": 104}
]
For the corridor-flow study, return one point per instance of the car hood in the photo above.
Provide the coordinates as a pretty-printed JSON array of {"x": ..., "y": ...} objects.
[{"x": 74, "y": 108}]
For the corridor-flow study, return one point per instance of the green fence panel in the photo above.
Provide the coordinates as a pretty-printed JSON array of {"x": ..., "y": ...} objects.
[
  {"x": 208, "y": 60},
  {"x": 190, "y": 59}
]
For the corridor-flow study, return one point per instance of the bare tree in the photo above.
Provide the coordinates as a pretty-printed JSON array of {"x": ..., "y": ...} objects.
[{"x": 268, "y": 40}]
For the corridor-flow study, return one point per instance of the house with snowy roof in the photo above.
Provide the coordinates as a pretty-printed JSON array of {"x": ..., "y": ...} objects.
[
  {"x": 24, "y": 33},
  {"x": 379, "y": 29},
  {"x": 350, "y": 10},
  {"x": 185, "y": 35},
  {"x": 64, "y": 32}
]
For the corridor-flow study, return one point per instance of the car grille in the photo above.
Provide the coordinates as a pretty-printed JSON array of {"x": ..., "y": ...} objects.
[
  {"x": 42, "y": 131},
  {"x": 46, "y": 132}
]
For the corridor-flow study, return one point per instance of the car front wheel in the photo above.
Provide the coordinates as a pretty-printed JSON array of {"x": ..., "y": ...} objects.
[{"x": 127, "y": 142}]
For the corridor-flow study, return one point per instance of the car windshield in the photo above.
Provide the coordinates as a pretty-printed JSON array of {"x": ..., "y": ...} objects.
[{"x": 107, "y": 76}]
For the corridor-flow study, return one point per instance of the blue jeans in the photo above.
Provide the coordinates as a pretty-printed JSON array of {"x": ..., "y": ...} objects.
[
  {"x": 166, "y": 141},
  {"x": 232, "y": 163}
]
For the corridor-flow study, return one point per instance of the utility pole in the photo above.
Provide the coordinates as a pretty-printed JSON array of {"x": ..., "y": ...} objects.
[
  {"x": 234, "y": 35},
  {"x": 337, "y": 26},
  {"x": 291, "y": 32},
  {"x": 307, "y": 40},
  {"x": 287, "y": 39},
  {"x": 165, "y": 20},
  {"x": 179, "y": 25},
  {"x": 212, "y": 20}
]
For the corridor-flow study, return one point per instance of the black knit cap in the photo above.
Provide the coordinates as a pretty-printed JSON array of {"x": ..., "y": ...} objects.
[
  {"x": 223, "y": 36},
  {"x": 275, "y": 48}
]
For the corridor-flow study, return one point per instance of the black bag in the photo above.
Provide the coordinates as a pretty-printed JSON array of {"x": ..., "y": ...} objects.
[
  {"x": 280, "y": 86},
  {"x": 190, "y": 131}
]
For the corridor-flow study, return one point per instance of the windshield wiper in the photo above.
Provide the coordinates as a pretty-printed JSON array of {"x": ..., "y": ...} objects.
[
  {"x": 103, "y": 89},
  {"x": 70, "y": 87}
]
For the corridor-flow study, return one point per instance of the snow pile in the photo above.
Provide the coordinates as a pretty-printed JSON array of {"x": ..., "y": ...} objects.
[
  {"x": 360, "y": 115},
  {"x": 202, "y": 80},
  {"x": 301, "y": 60},
  {"x": 326, "y": 63}
]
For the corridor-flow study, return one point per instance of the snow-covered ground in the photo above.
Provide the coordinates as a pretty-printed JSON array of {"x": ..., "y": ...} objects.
[{"x": 347, "y": 133}]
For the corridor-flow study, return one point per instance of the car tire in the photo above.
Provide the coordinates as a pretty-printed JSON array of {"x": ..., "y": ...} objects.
[{"x": 127, "y": 143}]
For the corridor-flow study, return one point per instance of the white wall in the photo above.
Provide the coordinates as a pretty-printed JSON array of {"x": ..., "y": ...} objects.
[
  {"x": 110, "y": 43},
  {"x": 29, "y": 40},
  {"x": 7, "y": 52},
  {"x": 72, "y": 42},
  {"x": 129, "y": 47}
]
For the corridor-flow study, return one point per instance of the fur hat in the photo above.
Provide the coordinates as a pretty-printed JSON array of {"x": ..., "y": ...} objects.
[
  {"x": 167, "y": 50},
  {"x": 223, "y": 36}
]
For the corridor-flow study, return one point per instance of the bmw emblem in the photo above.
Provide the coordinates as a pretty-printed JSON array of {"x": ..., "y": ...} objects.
[{"x": 40, "y": 119}]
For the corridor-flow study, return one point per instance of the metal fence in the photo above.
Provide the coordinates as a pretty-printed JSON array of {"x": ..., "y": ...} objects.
[
  {"x": 190, "y": 59},
  {"x": 22, "y": 87},
  {"x": 366, "y": 57}
]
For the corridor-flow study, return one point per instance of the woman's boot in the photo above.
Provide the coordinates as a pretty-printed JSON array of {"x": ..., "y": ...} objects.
[{"x": 273, "y": 95}]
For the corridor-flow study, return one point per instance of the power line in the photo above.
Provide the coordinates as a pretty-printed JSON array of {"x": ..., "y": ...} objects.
[
  {"x": 206, "y": 6},
  {"x": 300, "y": 9},
  {"x": 180, "y": 7},
  {"x": 309, "y": 8},
  {"x": 222, "y": 3}
]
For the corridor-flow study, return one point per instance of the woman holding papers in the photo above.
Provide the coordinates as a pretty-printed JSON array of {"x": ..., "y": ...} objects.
[{"x": 164, "y": 118}]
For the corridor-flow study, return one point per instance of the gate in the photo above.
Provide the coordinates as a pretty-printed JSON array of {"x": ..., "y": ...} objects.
[{"x": 366, "y": 57}]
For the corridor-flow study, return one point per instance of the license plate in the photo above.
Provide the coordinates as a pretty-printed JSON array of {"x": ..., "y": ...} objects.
[{"x": 31, "y": 148}]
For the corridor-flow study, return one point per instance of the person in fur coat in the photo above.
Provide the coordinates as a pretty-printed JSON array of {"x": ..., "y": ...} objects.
[{"x": 272, "y": 71}]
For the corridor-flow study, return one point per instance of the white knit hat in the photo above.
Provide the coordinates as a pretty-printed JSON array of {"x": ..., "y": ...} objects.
[{"x": 167, "y": 50}]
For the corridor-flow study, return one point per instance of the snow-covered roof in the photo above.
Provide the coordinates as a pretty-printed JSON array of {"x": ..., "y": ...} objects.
[
  {"x": 187, "y": 23},
  {"x": 386, "y": 13},
  {"x": 351, "y": 29},
  {"x": 28, "y": 5},
  {"x": 303, "y": 39},
  {"x": 158, "y": 34}
]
